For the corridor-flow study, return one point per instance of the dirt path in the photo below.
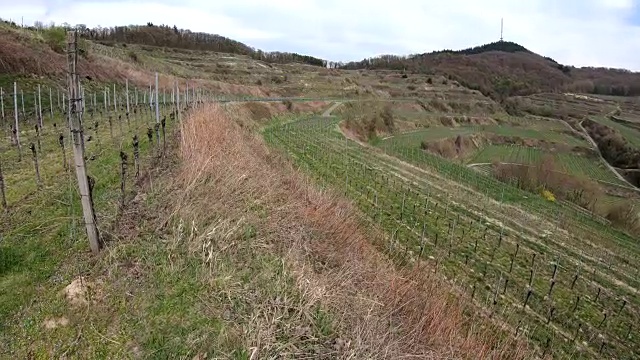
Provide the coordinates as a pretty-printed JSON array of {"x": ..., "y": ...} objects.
[
  {"x": 329, "y": 110},
  {"x": 609, "y": 166}
]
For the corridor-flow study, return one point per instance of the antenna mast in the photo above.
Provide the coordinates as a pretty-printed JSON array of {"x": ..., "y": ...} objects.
[{"x": 501, "y": 28}]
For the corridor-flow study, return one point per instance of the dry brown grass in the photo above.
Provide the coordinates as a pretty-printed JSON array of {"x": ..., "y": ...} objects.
[{"x": 380, "y": 311}]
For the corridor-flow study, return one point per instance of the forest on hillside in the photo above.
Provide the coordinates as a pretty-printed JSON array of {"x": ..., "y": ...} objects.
[{"x": 171, "y": 36}]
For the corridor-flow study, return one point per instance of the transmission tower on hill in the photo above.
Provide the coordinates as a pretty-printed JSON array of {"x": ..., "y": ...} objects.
[{"x": 501, "y": 28}]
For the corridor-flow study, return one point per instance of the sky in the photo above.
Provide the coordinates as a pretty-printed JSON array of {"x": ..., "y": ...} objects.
[{"x": 574, "y": 32}]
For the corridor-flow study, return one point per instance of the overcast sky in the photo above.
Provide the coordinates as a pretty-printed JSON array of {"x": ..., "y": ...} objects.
[{"x": 576, "y": 32}]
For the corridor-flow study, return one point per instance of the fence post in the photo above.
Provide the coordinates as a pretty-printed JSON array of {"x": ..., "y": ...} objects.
[
  {"x": 75, "y": 123},
  {"x": 178, "y": 101},
  {"x": 157, "y": 98},
  {"x": 136, "y": 155},
  {"x": 123, "y": 177},
  {"x": 2, "y": 103},
  {"x": 40, "y": 121},
  {"x": 35, "y": 107},
  {"x": 51, "y": 103},
  {"x": 126, "y": 84},
  {"x": 2, "y": 191},
  {"x": 64, "y": 152},
  {"x": 16, "y": 126},
  {"x": 34, "y": 153}
]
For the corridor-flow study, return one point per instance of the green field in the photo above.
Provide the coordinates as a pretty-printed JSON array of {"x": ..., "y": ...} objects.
[{"x": 549, "y": 274}]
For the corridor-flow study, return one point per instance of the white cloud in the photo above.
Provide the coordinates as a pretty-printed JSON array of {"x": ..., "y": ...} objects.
[{"x": 578, "y": 32}]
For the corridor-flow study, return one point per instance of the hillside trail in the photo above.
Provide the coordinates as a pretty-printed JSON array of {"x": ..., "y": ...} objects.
[{"x": 328, "y": 112}]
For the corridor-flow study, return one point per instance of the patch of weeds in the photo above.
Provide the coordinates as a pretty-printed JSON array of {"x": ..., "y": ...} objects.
[
  {"x": 249, "y": 232},
  {"x": 323, "y": 322},
  {"x": 240, "y": 354}
]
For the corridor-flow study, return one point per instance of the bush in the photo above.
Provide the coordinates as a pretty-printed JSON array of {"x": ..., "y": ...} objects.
[
  {"x": 625, "y": 216},
  {"x": 55, "y": 38},
  {"x": 133, "y": 56},
  {"x": 548, "y": 195}
]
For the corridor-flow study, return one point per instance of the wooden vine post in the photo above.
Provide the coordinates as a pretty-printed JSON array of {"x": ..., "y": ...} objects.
[
  {"x": 16, "y": 126},
  {"x": 2, "y": 105},
  {"x": 3, "y": 196},
  {"x": 75, "y": 124},
  {"x": 156, "y": 99}
]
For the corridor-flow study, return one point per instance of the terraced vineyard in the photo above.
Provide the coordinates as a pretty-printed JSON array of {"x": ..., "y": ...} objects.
[
  {"x": 630, "y": 134},
  {"x": 436, "y": 133},
  {"x": 430, "y": 134},
  {"x": 592, "y": 168},
  {"x": 572, "y": 164},
  {"x": 545, "y": 270},
  {"x": 508, "y": 153}
]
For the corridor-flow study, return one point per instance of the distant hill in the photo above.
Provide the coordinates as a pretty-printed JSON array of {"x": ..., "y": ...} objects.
[
  {"x": 171, "y": 36},
  {"x": 503, "y": 69},
  {"x": 504, "y": 46}
]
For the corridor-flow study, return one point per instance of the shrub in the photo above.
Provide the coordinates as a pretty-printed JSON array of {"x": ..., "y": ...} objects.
[
  {"x": 133, "y": 56},
  {"x": 55, "y": 37},
  {"x": 548, "y": 195},
  {"x": 625, "y": 216}
]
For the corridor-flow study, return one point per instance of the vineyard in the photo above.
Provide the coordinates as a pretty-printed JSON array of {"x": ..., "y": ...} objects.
[
  {"x": 514, "y": 154},
  {"x": 630, "y": 134},
  {"x": 572, "y": 164},
  {"x": 437, "y": 133},
  {"x": 125, "y": 131},
  {"x": 542, "y": 270}
]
